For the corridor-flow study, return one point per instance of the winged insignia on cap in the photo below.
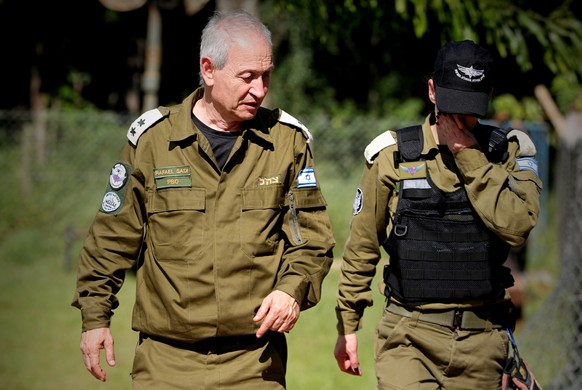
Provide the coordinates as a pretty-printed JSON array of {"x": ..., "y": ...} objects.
[{"x": 470, "y": 71}]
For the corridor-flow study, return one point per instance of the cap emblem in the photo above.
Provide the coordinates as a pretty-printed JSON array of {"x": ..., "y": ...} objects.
[{"x": 469, "y": 74}]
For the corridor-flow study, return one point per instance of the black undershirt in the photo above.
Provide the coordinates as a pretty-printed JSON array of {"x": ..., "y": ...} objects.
[{"x": 220, "y": 141}]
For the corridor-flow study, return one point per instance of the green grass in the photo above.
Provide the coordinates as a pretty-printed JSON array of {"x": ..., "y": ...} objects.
[
  {"x": 40, "y": 334},
  {"x": 40, "y": 331}
]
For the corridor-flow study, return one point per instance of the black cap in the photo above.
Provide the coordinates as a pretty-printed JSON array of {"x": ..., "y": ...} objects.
[{"x": 463, "y": 77}]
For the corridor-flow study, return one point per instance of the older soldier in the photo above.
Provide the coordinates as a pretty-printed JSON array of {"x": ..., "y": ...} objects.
[
  {"x": 217, "y": 205},
  {"x": 446, "y": 199}
]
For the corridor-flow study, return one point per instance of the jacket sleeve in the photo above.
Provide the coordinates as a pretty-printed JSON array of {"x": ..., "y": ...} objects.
[
  {"x": 362, "y": 250},
  {"x": 506, "y": 196},
  {"x": 308, "y": 249},
  {"x": 111, "y": 247}
]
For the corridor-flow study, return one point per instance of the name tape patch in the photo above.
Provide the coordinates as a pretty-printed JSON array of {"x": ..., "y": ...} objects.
[{"x": 173, "y": 177}]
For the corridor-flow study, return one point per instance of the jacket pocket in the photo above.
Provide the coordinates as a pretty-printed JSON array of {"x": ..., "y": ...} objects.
[
  {"x": 176, "y": 222},
  {"x": 260, "y": 221}
]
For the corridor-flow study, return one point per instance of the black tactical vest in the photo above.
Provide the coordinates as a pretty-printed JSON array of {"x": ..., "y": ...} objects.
[{"x": 440, "y": 250}]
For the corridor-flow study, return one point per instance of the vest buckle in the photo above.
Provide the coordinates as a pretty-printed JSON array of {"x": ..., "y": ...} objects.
[{"x": 400, "y": 230}]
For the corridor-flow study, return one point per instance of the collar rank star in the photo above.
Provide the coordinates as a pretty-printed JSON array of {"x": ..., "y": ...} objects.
[{"x": 141, "y": 124}]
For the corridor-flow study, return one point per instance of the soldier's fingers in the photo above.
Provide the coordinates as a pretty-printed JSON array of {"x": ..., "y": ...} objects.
[
  {"x": 109, "y": 352},
  {"x": 263, "y": 309},
  {"x": 92, "y": 364}
]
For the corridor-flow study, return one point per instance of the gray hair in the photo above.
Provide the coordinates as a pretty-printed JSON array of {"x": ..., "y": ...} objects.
[{"x": 223, "y": 29}]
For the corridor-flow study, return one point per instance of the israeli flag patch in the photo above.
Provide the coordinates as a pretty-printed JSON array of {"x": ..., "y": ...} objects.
[
  {"x": 527, "y": 163},
  {"x": 306, "y": 178}
]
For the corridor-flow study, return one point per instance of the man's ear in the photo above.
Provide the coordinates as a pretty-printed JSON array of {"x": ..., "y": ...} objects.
[
  {"x": 431, "y": 91},
  {"x": 207, "y": 70}
]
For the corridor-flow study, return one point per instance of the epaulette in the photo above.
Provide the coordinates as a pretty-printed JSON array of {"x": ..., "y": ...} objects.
[
  {"x": 291, "y": 120},
  {"x": 144, "y": 122},
  {"x": 526, "y": 146},
  {"x": 380, "y": 142}
]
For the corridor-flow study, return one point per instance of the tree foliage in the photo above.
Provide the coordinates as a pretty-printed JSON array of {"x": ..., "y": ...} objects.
[
  {"x": 512, "y": 26},
  {"x": 369, "y": 53}
]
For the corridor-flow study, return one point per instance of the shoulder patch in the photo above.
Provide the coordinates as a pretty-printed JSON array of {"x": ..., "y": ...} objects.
[
  {"x": 526, "y": 146},
  {"x": 380, "y": 142},
  {"x": 291, "y": 120},
  {"x": 141, "y": 124}
]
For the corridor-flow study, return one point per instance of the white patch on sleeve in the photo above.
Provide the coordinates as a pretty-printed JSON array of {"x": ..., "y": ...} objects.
[
  {"x": 141, "y": 124},
  {"x": 291, "y": 120},
  {"x": 358, "y": 202},
  {"x": 380, "y": 142},
  {"x": 306, "y": 178}
]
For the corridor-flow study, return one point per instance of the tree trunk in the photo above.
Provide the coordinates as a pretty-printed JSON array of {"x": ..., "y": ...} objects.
[{"x": 153, "y": 58}]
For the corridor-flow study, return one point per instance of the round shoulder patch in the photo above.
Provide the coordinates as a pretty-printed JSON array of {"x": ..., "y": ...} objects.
[
  {"x": 358, "y": 202},
  {"x": 111, "y": 202},
  {"x": 118, "y": 176}
]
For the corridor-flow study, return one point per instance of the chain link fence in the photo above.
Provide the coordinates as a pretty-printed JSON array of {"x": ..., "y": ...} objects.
[
  {"x": 553, "y": 335},
  {"x": 55, "y": 167}
]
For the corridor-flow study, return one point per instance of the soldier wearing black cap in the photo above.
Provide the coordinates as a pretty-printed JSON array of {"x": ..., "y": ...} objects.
[{"x": 447, "y": 200}]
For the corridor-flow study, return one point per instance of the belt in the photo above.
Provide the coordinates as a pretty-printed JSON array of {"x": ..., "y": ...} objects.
[
  {"x": 215, "y": 345},
  {"x": 479, "y": 318}
]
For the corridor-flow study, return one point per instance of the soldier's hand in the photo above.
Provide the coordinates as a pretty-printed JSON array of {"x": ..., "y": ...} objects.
[
  {"x": 279, "y": 312},
  {"x": 346, "y": 354},
  {"x": 92, "y": 342},
  {"x": 509, "y": 382},
  {"x": 454, "y": 131}
]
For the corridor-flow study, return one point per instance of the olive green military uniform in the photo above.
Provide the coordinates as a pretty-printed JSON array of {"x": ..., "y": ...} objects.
[
  {"x": 208, "y": 244},
  {"x": 426, "y": 345}
]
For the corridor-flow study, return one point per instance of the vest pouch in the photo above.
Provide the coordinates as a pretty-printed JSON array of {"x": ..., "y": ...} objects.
[{"x": 440, "y": 259}]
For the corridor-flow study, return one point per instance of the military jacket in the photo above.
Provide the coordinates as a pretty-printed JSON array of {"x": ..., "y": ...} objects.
[
  {"x": 208, "y": 244},
  {"x": 504, "y": 195}
]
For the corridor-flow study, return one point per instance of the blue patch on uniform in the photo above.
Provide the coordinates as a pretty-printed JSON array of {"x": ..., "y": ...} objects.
[
  {"x": 527, "y": 163},
  {"x": 306, "y": 178}
]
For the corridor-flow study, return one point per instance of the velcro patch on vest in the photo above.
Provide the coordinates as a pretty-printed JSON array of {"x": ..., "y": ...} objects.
[
  {"x": 412, "y": 170},
  {"x": 173, "y": 177}
]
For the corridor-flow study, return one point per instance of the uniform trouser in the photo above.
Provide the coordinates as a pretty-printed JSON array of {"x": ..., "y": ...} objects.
[
  {"x": 413, "y": 354},
  {"x": 258, "y": 365}
]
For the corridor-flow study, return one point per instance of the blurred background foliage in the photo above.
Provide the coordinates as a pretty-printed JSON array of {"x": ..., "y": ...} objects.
[{"x": 338, "y": 57}]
